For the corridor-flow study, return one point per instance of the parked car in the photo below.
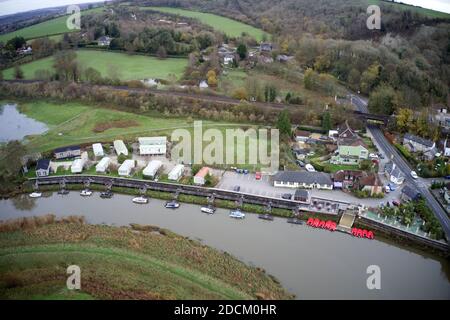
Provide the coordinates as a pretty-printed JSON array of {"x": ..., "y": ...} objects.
[
  {"x": 239, "y": 171},
  {"x": 286, "y": 196},
  {"x": 258, "y": 175},
  {"x": 392, "y": 186},
  {"x": 373, "y": 156},
  {"x": 310, "y": 168},
  {"x": 245, "y": 171},
  {"x": 300, "y": 163},
  {"x": 414, "y": 175},
  {"x": 396, "y": 203},
  {"x": 387, "y": 189},
  {"x": 237, "y": 188}
]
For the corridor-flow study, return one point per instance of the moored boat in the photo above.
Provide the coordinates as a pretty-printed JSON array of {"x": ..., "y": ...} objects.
[
  {"x": 86, "y": 193},
  {"x": 208, "y": 210},
  {"x": 172, "y": 204},
  {"x": 237, "y": 214},
  {"x": 63, "y": 191},
  {"x": 140, "y": 200},
  {"x": 266, "y": 216},
  {"x": 295, "y": 221},
  {"x": 106, "y": 194},
  {"x": 35, "y": 195}
]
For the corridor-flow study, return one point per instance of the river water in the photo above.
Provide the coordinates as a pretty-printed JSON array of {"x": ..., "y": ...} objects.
[
  {"x": 15, "y": 125},
  {"x": 311, "y": 263}
]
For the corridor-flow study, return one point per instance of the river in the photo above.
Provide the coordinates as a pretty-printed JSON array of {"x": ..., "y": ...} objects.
[{"x": 311, "y": 263}]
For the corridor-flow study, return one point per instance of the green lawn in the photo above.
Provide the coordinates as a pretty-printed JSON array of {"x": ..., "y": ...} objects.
[
  {"x": 50, "y": 27},
  {"x": 230, "y": 27},
  {"x": 125, "y": 66},
  {"x": 427, "y": 12}
]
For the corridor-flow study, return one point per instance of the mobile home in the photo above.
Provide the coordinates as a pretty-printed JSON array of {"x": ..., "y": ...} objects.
[
  {"x": 152, "y": 168},
  {"x": 176, "y": 173},
  {"x": 102, "y": 165},
  {"x": 126, "y": 167}
]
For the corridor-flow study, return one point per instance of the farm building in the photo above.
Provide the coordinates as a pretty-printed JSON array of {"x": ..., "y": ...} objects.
[
  {"x": 176, "y": 173},
  {"x": 67, "y": 152},
  {"x": 77, "y": 166},
  {"x": 152, "y": 168},
  {"x": 43, "y": 168},
  {"x": 199, "y": 178},
  {"x": 126, "y": 167},
  {"x": 102, "y": 165},
  {"x": 98, "y": 150},
  {"x": 120, "y": 147},
  {"x": 152, "y": 145},
  {"x": 303, "y": 179}
]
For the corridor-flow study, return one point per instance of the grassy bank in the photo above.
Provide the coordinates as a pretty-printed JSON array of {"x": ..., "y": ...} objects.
[
  {"x": 231, "y": 28},
  {"x": 121, "y": 263},
  {"x": 46, "y": 28},
  {"x": 112, "y": 64}
]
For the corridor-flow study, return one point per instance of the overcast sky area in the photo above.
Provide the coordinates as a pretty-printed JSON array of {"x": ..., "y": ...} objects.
[{"x": 15, "y": 6}]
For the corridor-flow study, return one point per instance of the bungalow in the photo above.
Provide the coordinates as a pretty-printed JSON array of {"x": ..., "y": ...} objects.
[
  {"x": 350, "y": 151},
  {"x": 301, "y": 135},
  {"x": 302, "y": 195},
  {"x": 393, "y": 173},
  {"x": 126, "y": 167},
  {"x": 447, "y": 147},
  {"x": 265, "y": 47},
  {"x": 152, "y": 145},
  {"x": 303, "y": 179},
  {"x": 345, "y": 179},
  {"x": 67, "y": 152},
  {"x": 417, "y": 144},
  {"x": 176, "y": 173},
  {"x": 410, "y": 194},
  {"x": 104, "y": 41},
  {"x": 120, "y": 147},
  {"x": 370, "y": 182},
  {"x": 98, "y": 150},
  {"x": 199, "y": 178},
  {"x": 43, "y": 168},
  {"x": 152, "y": 168}
]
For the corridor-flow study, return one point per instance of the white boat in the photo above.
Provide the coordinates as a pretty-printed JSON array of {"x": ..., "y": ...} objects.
[
  {"x": 172, "y": 204},
  {"x": 142, "y": 200},
  {"x": 86, "y": 193},
  {"x": 208, "y": 210},
  {"x": 35, "y": 195},
  {"x": 237, "y": 214}
]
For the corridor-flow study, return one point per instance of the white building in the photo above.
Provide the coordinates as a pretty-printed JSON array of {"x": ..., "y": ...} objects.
[
  {"x": 176, "y": 173},
  {"x": 203, "y": 84},
  {"x": 120, "y": 147},
  {"x": 199, "y": 178},
  {"x": 43, "y": 168},
  {"x": 126, "y": 167},
  {"x": 152, "y": 145},
  {"x": 77, "y": 166},
  {"x": 102, "y": 165},
  {"x": 303, "y": 179},
  {"x": 98, "y": 150},
  {"x": 152, "y": 168}
]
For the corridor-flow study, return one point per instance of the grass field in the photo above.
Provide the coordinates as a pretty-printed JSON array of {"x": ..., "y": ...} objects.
[
  {"x": 427, "y": 12},
  {"x": 119, "y": 263},
  {"x": 50, "y": 27},
  {"x": 228, "y": 26},
  {"x": 125, "y": 66}
]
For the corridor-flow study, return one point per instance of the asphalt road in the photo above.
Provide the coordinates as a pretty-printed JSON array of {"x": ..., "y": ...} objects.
[{"x": 391, "y": 152}]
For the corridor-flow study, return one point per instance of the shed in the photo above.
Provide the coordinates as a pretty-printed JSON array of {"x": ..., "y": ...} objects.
[
  {"x": 120, "y": 147},
  {"x": 102, "y": 165},
  {"x": 152, "y": 168},
  {"x": 126, "y": 167},
  {"x": 98, "y": 150},
  {"x": 176, "y": 173},
  {"x": 43, "y": 168},
  {"x": 77, "y": 166},
  {"x": 199, "y": 178}
]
